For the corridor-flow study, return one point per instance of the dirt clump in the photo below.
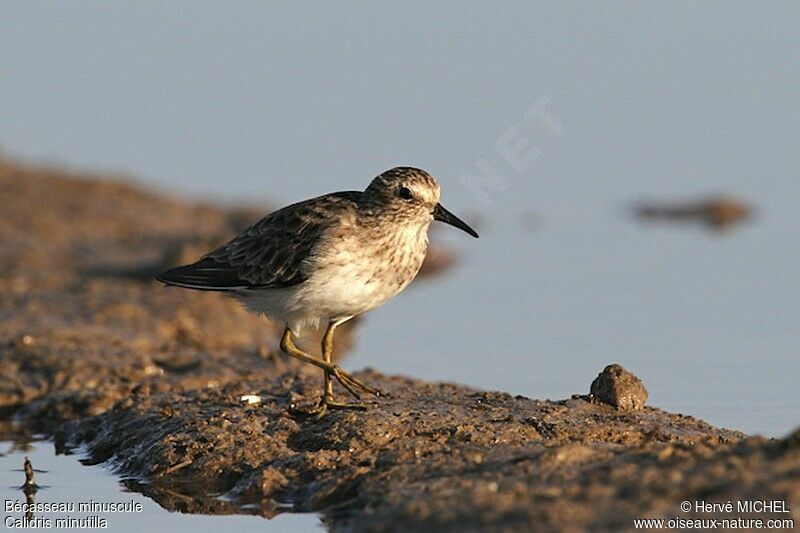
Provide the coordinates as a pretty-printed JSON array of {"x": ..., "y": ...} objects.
[{"x": 619, "y": 388}]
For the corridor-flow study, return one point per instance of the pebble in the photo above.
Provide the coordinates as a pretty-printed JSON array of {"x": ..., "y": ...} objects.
[{"x": 619, "y": 388}]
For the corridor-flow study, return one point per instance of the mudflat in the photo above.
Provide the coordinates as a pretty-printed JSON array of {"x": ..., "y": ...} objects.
[{"x": 187, "y": 391}]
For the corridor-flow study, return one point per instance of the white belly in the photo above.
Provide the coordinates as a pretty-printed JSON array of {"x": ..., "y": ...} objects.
[{"x": 345, "y": 280}]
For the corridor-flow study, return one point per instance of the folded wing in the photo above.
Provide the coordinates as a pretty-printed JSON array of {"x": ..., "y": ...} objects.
[{"x": 270, "y": 254}]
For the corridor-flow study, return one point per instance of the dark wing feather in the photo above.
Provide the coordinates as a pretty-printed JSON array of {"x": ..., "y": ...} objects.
[{"x": 270, "y": 253}]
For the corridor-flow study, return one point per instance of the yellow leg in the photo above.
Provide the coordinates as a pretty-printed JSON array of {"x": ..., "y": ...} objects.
[
  {"x": 327, "y": 355},
  {"x": 348, "y": 382}
]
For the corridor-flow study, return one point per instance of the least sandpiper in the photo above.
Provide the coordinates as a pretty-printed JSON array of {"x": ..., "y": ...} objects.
[{"x": 326, "y": 260}]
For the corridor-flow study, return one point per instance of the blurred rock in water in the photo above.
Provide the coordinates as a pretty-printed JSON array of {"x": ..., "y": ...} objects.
[{"x": 720, "y": 212}]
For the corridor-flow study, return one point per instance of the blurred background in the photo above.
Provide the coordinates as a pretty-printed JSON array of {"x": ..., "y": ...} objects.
[{"x": 548, "y": 126}]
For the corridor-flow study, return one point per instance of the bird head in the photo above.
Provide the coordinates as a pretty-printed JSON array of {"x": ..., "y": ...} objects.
[{"x": 414, "y": 194}]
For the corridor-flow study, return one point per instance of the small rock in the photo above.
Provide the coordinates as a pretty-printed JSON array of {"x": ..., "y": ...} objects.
[
  {"x": 718, "y": 212},
  {"x": 250, "y": 399},
  {"x": 619, "y": 388}
]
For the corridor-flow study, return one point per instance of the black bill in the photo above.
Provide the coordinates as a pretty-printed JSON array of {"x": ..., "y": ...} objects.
[{"x": 443, "y": 215}]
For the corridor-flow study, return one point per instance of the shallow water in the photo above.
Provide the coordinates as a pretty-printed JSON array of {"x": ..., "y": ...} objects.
[{"x": 65, "y": 480}]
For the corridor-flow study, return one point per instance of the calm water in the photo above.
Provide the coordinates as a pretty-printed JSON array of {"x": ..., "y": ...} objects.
[
  {"x": 64, "y": 480},
  {"x": 570, "y": 111}
]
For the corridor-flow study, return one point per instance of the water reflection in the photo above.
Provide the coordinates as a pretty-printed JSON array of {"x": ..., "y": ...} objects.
[{"x": 68, "y": 484}]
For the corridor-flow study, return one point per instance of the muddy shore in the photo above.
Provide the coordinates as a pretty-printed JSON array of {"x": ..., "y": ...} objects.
[{"x": 151, "y": 380}]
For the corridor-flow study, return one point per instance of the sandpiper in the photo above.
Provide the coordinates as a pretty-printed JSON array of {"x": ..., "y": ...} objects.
[{"x": 326, "y": 260}]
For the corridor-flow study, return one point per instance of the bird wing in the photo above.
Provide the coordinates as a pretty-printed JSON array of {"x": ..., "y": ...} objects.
[{"x": 269, "y": 254}]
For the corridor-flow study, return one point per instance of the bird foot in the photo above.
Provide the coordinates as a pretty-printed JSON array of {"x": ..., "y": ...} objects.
[
  {"x": 328, "y": 404},
  {"x": 357, "y": 406},
  {"x": 353, "y": 384}
]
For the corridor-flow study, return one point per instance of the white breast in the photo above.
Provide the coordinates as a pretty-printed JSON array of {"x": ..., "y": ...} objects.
[{"x": 348, "y": 276}]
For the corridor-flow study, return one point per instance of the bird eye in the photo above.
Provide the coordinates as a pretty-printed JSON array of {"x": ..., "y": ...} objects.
[{"x": 405, "y": 193}]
